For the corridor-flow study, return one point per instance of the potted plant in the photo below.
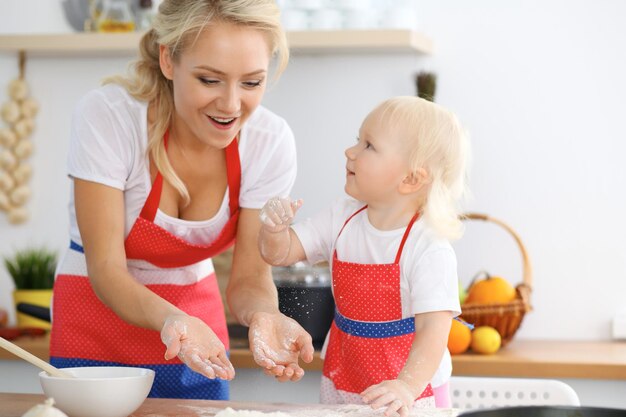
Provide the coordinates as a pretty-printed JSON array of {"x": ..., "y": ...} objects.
[{"x": 32, "y": 271}]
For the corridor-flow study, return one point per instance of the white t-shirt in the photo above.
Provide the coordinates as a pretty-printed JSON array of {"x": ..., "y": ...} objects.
[
  {"x": 108, "y": 145},
  {"x": 428, "y": 268}
]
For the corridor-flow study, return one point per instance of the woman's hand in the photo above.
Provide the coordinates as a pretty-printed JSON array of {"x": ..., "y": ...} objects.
[
  {"x": 395, "y": 394},
  {"x": 278, "y": 213},
  {"x": 276, "y": 342},
  {"x": 197, "y": 346}
]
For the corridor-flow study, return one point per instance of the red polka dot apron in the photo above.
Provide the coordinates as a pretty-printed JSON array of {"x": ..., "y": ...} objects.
[
  {"x": 369, "y": 340},
  {"x": 85, "y": 332}
]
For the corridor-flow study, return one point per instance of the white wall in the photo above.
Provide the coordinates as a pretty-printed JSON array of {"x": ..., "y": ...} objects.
[{"x": 539, "y": 85}]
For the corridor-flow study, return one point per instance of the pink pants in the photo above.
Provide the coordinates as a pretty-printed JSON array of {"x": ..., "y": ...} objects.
[{"x": 442, "y": 395}]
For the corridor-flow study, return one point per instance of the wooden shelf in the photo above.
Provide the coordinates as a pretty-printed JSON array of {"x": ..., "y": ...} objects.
[{"x": 107, "y": 44}]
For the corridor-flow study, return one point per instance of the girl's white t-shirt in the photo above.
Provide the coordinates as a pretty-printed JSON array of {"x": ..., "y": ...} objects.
[
  {"x": 108, "y": 145},
  {"x": 428, "y": 268}
]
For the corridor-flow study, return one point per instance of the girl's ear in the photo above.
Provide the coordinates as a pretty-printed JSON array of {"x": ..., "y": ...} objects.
[
  {"x": 165, "y": 62},
  {"x": 414, "y": 181}
]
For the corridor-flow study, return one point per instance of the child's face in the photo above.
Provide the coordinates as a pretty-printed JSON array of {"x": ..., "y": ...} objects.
[{"x": 377, "y": 164}]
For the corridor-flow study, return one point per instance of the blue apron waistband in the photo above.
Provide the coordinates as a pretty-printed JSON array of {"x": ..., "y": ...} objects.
[
  {"x": 75, "y": 246},
  {"x": 376, "y": 330}
]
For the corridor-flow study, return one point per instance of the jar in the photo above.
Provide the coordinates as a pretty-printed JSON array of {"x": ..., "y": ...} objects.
[{"x": 116, "y": 16}]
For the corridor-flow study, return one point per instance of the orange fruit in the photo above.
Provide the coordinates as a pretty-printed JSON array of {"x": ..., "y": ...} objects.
[
  {"x": 490, "y": 290},
  {"x": 459, "y": 338}
]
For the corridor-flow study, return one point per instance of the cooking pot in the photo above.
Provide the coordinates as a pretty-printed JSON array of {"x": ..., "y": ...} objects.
[
  {"x": 546, "y": 411},
  {"x": 305, "y": 294}
]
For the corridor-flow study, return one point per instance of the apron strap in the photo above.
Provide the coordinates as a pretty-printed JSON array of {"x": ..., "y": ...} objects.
[
  {"x": 233, "y": 172},
  {"x": 343, "y": 227},
  {"x": 406, "y": 235},
  {"x": 151, "y": 205}
]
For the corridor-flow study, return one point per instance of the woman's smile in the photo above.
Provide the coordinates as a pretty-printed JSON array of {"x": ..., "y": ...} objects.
[{"x": 222, "y": 123}]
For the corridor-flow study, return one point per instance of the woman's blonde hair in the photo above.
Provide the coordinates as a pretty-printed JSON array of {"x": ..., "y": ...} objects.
[
  {"x": 177, "y": 26},
  {"x": 435, "y": 142}
]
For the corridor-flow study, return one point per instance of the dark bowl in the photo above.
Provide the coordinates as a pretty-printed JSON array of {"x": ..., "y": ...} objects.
[{"x": 546, "y": 411}]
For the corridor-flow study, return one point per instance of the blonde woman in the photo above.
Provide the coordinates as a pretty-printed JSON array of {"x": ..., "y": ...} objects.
[
  {"x": 170, "y": 166},
  {"x": 393, "y": 269}
]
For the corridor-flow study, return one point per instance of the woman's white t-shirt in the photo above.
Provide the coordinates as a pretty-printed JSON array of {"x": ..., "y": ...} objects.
[
  {"x": 108, "y": 145},
  {"x": 428, "y": 268}
]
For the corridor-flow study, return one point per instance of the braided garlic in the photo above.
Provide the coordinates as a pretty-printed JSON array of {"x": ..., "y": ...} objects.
[{"x": 19, "y": 116}]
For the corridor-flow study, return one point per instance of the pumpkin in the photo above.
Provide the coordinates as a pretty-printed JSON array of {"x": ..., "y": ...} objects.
[{"x": 490, "y": 290}]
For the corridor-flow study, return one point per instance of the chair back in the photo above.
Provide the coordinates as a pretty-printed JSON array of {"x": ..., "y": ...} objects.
[{"x": 486, "y": 392}]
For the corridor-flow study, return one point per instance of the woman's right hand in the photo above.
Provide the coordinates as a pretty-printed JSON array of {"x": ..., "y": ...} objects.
[
  {"x": 278, "y": 213},
  {"x": 197, "y": 346}
]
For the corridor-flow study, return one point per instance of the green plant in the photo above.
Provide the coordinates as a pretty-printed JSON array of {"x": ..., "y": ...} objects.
[
  {"x": 426, "y": 83},
  {"x": 32, "y": 269}
]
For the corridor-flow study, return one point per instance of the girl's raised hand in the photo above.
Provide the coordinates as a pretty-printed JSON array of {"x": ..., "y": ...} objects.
[
  {"x": 278, "y": 213},
  {"x": 197, "y": 346}
]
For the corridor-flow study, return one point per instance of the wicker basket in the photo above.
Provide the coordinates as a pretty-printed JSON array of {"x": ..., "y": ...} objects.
[{"x": 504, "y": 317}]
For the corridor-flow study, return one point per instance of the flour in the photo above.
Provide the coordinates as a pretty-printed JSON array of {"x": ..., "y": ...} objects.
[
  {"x": 342, "y": 411},
  {"x": 229, "y": 412}
]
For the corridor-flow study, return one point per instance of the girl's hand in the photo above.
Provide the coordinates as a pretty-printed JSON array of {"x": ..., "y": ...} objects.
[
  {"x": 395, "y": 394},
  {"x": 197, "y": 346},
  {"x": 276, "y": 342},
  {"x": 278, "y": 213}
]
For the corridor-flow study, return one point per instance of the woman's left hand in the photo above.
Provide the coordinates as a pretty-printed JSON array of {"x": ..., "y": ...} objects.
[
  {"x": 276, "y": 342},
  {"x": 395, "y": 394}
]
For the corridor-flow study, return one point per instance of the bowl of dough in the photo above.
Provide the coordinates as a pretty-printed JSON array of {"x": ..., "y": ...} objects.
[{"x": 99, "y": 391}]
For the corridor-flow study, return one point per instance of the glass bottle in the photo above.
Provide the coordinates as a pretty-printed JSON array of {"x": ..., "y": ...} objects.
[
  {"x": 116, "y": 16},
  {"x": 145, "y": 14}
]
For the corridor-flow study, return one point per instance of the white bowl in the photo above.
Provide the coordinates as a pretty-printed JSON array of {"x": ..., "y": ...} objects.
[{"x": 99, "y": 391}]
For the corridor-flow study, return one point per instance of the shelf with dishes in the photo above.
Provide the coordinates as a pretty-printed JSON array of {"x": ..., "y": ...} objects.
[{"x": 323, "y": 41}]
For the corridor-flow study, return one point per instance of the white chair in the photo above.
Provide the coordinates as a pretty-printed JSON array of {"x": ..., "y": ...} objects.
[{"x": 483, "y": 392}]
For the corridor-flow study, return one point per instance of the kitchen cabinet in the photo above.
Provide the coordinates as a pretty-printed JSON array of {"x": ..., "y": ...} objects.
[{"x": 327, "y": 42}]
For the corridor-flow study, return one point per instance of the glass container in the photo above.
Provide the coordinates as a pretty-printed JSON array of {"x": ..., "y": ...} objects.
[{"x": 116, "y": 16}]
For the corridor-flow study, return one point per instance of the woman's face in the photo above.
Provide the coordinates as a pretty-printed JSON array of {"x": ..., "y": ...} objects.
[{"x": 218, "y": 82}]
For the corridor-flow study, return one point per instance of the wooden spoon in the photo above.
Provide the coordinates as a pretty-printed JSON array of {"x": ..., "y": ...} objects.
[{"x": 29, "y": 357}]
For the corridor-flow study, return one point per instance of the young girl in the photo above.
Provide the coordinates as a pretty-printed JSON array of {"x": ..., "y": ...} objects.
[{"x": 393, "y": 268}]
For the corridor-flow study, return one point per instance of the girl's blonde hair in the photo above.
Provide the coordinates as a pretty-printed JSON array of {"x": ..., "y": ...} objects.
[
  {"x": 436, "y": 142},
  {"x": 177, "y": 26}
]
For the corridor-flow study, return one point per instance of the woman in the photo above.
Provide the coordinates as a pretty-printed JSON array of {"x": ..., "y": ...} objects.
[{"x": 170, "y": 166}]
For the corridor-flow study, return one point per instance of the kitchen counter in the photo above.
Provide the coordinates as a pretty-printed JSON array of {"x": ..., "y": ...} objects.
[
  {"x": 14, "y": 405},
  {"x": 520, "y": 358}
]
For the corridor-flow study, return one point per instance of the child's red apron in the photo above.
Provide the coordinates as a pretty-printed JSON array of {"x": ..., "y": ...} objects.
[
  {"x": 369, "y": 340},
  {"x": 85, "y": 332}
]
